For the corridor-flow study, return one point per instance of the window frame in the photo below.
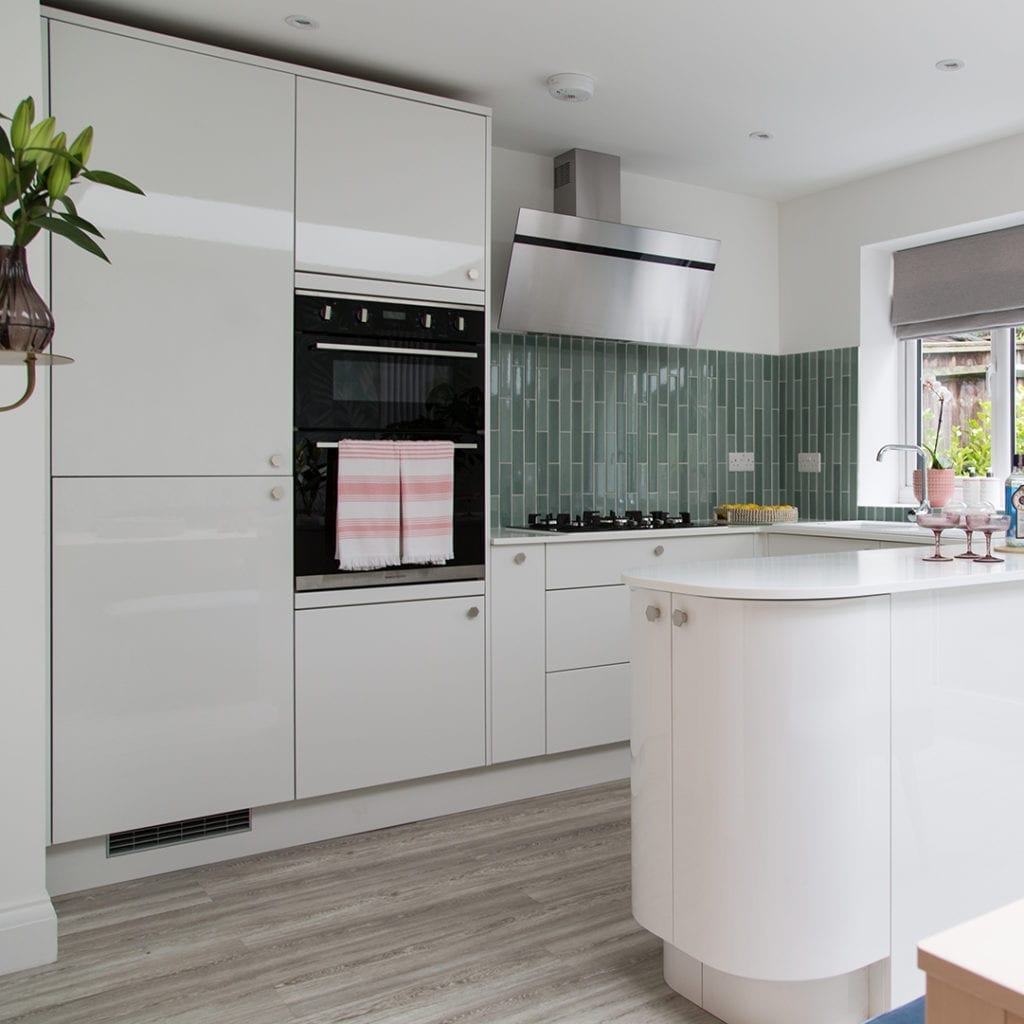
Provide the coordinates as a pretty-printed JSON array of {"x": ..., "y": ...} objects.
[{"x": 1002, "y": 392}]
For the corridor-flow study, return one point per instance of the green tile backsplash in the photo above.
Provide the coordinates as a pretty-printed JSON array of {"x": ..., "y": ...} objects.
[{"x": 579, "y": 423}]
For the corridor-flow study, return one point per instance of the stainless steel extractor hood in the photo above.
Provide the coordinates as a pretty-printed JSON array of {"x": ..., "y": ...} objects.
[{"x": 578, "y": 271}]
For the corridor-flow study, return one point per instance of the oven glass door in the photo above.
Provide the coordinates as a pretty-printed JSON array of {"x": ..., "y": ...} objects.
[
  {"x": 316, "y": 507},
  {"x": 394, "y": 387}
]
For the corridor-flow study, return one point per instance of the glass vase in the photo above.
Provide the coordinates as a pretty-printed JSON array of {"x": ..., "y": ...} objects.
[{"x": 26, "y": 323}]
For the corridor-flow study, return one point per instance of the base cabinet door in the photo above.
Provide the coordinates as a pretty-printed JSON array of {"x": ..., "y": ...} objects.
[
  {"x": 387, "y": 692},
  {"x": 172, "y": 650},
  {"x": 517, "y": 652}
]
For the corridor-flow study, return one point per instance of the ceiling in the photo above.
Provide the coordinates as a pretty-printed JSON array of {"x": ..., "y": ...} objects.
[{"x": 846, "y": 89}]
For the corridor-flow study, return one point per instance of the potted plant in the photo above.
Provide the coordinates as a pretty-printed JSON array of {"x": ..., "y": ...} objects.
[
  {"x": 37, "y": 168},
  {"x": 941, "y": 478}
]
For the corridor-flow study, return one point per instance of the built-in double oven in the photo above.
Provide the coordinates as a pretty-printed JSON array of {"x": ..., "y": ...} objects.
[{"x": 368, "y": 369}]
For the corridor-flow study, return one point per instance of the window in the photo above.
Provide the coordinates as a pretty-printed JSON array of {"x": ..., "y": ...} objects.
[{"x": 965, "y": 399}]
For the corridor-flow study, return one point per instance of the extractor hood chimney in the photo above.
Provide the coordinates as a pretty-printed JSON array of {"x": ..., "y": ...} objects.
[{"x": 579, "y": 271}]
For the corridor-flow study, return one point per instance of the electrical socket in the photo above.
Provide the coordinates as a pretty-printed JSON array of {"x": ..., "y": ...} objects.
[
  {"x": 808, "y": 462},
  {"x": 741, "y": 462}
]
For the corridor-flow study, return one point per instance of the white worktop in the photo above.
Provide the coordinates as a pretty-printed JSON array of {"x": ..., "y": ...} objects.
[
  {"x": 822, "y": 576},
  {"x": 855, "y": 529}
]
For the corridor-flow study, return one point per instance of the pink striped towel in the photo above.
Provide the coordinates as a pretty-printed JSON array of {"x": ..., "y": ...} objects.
[
  {"x": 427, "y": 473},
  {"x": 368, "y": 505}
]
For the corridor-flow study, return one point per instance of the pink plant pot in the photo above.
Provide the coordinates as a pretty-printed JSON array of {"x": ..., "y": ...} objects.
[{"x": 940, "y": 486}]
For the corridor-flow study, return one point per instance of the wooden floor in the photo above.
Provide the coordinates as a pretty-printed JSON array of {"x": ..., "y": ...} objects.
[{"x": 517, "y": 913}]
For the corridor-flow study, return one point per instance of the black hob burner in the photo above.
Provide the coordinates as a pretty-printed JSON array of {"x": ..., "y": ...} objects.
[{"x": 595, "y": 522}]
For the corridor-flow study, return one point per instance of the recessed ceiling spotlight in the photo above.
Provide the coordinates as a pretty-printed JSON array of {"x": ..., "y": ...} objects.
[
  {"x": 949, "y": 64},
  {"x": 301, "y": 21},
  {"x": 571, "y": 88},
  {"x": 760, "y": 136}
]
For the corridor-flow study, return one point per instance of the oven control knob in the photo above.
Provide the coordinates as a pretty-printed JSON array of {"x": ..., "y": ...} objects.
[
  {"x": 327, "y": 312},
  {"x": 427, "y": 321},
  {"x": 660, "y": 549},
  {"x": 460, "y": 323},
  {"x": 473, "y": 612},
  {"x": 520, "y": 558},
  {"x": 277, "y": 493},
  {"x": 472, "y": 273},
  {"x": 363, "y": 315},
  {"x": 276, "y": 459}
]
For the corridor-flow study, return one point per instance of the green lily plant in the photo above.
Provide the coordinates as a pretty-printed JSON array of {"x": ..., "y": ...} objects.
[{"x": 37, "y": 167}]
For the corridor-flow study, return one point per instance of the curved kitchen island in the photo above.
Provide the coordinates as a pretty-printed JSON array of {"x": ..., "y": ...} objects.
[{"x": 827, "y": 767}]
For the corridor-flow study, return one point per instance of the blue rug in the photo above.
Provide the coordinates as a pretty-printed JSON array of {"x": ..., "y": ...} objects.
[{"x": 912, "y": 1013}]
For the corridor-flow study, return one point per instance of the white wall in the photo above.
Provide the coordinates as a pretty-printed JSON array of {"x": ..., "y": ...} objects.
[
  {"x": 835, "y": 271},
  {"x": 743, "y": 311},
  {"x": 28, "y": 929},
  {"x": 821, "y": 235}
]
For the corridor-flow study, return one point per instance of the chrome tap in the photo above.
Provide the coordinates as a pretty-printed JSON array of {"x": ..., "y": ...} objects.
[{"x": 924, "y": 506}]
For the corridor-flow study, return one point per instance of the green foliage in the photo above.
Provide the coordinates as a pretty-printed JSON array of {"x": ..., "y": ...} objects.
[
  {"x": 970, "y": 448},
  {"x": 37, "y": 168}
]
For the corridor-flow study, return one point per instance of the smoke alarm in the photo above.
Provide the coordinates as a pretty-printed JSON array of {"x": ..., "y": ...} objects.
[{"x": 571, "y": 88}]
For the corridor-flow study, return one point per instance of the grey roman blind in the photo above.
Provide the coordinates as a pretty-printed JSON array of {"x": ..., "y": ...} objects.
[{"x": 964, "y": 284}]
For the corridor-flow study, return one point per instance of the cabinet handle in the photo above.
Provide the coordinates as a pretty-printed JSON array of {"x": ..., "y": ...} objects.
[
  {"x": 660, "y": 549},
  {"x": 520, "y": 558},
  {"x": 276, "y": 459},
  {"x": 653, "y": 613},
  {"x": 679, "y": 618},
  {"x": 472, "y": 273},
  {"x": 277, "y": 493},
  {"x": 473, "y": 612}
]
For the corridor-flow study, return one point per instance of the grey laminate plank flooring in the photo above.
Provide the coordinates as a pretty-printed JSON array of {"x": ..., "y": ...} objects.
[{"x": 518, "y": 914}]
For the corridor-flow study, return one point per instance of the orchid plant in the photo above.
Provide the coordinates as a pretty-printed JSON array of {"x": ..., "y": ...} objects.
[{"x": 942, "y": 393}]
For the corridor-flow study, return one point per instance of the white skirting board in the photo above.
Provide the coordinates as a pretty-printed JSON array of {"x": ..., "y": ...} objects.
[
  {"x": 844, "y": 999},
  {"x": 28, "y": 936},
  {"x": 71, "y": 867}
]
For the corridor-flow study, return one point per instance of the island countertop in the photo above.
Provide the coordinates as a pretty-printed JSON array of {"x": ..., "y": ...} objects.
[{"x": 817, "y": 577}]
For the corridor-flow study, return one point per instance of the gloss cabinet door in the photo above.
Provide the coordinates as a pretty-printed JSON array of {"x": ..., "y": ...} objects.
[
  {"x": 172, "y": 650},
  {"x": 182, "y": 345},
  {"x": 387, "y": 692},
  {"x": 389, "y": 187},
  {"x": 517, "y": 625}
]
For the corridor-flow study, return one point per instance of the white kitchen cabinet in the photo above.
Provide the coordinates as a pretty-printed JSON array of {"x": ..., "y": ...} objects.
[
  {"x": 601, "y": 563},
  {"x": 794, "y": 544},
  {"x": 172, "y": 650},
  {"x": 182, "y": 346},
  {"x": 390, "y": 187},
  {"x": 387, "y": 692},
  {"x": 588, "y": 707},
  {"x": 587, "y": 627},
  {"x": 517, "y": 625}
]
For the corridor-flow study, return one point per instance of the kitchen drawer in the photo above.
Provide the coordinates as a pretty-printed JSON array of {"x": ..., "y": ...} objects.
[
  {"x": 588, "y": 707},
  {"x": 587, "y": 627},
  {"x": 800, "y": 544},
  {"x": 602, "y": 562}
]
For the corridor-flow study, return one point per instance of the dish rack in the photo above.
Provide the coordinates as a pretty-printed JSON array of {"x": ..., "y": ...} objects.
[{"x": 757, "y": 515}]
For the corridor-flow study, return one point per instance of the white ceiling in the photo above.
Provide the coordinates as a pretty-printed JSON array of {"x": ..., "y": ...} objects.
[{"x": 847, "y": 89}]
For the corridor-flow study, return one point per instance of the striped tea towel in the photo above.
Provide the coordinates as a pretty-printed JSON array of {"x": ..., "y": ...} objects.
[
  {"x": 368, "y": 505},
  {"x": 427, "y": 472}
]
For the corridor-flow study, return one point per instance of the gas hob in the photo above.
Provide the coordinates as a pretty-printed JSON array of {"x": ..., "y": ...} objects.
[{"x": 611, "y": 522}]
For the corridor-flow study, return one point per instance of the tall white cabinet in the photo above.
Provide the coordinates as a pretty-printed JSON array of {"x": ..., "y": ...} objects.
[
  {"x": 408, "y": 203},
  {"x": 172, "y": 653},
  {"x": 182, "y": 362},
  {"x": 172, "y": 578}
]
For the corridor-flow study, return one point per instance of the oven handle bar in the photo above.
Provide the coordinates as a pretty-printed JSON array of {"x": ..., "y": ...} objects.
[
  {"x": 397, "y": 351},
  {"x": 334, "y": 444}
]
